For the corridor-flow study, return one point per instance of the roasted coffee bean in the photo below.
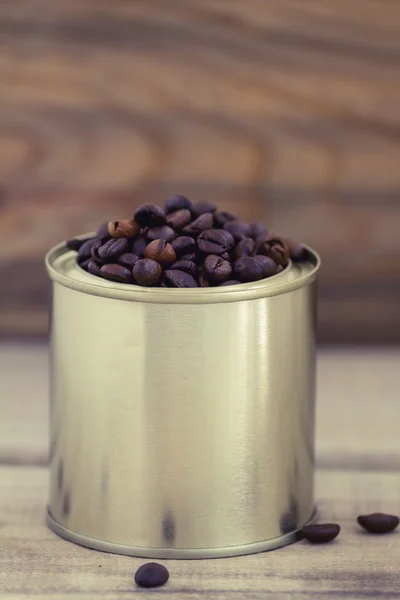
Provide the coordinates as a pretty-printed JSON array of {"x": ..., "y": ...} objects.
[
  {"x": 138, "y": 245},
  {"x": 117, "y": 273},
  {"x": 203, "y": 207},
  {"x": 161, "y": 233},
  {"x": 110, "y": 251},
  {"x": 193, "y": 257},
  {"x": 185, "y": 265},
  {"x": 74, "y": 244},
  {"x": 151, "y": 575},
  {"x": 149, "y": 215},
  {"x": 230, "y": 240},
  {"x": 102, "y": 231},
  {"x": 279, "y": 269},
  {"x": 238, "y": 229},
  {"x": 322, "y": 533},
  {"x": 248, "y": 269},
  {"x": 226, "y": 256},
  {"x": 213, "y": 241},
  {"x": 123, "y": 229},
  {"x": 84, "y": 264},
  {"x": 268, "y": 265},
  {"x": 216, "y": 269},
  {"x": 379, "y": 522},
  {"x": 179, "y": 219},
  {"x": 230, "y": 282},
  {"x": 245, "y": 247},
  {"x": 220, "y": 218},
  {"x": 200, "y": 224},
  {"x": 202, "y": 281},
  {"x": 147, "y": 272},
  {"x": 93, "y": 268},
  {"x": 184, "y": 245},
  {"x": 128, "y": 260},
  {"x": 275, "y": 248},
  {"x": 297, "y": 251},
  {"x": 160, "y": 251},
  {"x": 179, "y": 279},
  {"x": 258, "y": 229},
  {"x": 177, "y": 203},
  {"x": 85, "y": 250}
]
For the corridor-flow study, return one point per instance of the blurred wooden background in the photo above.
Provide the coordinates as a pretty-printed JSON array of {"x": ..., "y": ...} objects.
[{"x": 277, "y": 109}]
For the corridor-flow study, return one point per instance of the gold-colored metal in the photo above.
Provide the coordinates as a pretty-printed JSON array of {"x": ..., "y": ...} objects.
[{"x": 182, "y": 421}]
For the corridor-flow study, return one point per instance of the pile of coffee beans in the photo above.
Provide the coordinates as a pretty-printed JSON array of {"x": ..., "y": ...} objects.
[{"x": 184, "y": 245}]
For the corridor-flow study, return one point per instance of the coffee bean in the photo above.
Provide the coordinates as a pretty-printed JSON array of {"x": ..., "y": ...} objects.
[
  {"x": 149, "y": 215},
  {"x": 117, "y": 273},
  {"x": 230, "y": 282},
  {"x": 161, "y": 233},
  {"x": 245, "y": 247},
  {"x": 102, "y": 231},
  {"x": 379, "y": 522},
  {"x": 220, "y": 218},
  {"x": 185, "y": 265},
  {"x": 179, "y": 279},
  {"x": 297, "y": 251},
  {"x": 160, "y": 251},
  {"x": 110, "y": 251},
  {"x": 275, "y": 248},
  {"x": 179, "y": 219},
  {"x": 85, "y": 250},
  {"x": 216, "y": 269},
  {"x": 258, "y": 229},
  {"x": 147, "y": 272},
  {"x": 200, "y": 224},
  {"x": 279, "y": 269},
  {"x": 84, "y": 264},
  {"x": 193, "y": 257},
  {"x": 213, "y": 241},
  {"x": 184, "y": 245},
  {"x": 177, "y": 203},
  {"x": 203, "y": 207},
  {"x": 238, "y": 229},
  {"x": 230, "y": 240},
  {"x": 93, "y": 268},
  {"x": 226, "y": 256},
  {"x": 128, "y": 260},
  {"x": 123, "y": 229},
  {"x": 74, "y": 244},
  {"x": 321, "y": 534},
  {"x": 151, "y": 575},
  {"x": 268, "y": 265},
  {"x": 139, "y": 245},
  {"x": 248, "y": 269},
  {"x": 202, "y": 281}
]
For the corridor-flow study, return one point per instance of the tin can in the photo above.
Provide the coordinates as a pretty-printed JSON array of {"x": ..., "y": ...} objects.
[{"x": 182, "y": 421}]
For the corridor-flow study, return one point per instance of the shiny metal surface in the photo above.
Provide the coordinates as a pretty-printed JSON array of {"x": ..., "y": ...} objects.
[{"x": 182, "y": 422}]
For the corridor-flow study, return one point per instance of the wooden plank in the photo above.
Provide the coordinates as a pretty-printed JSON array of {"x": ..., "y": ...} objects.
[
  {"x": 35, "y": 563},
  {"x": 272, "y": 108},
  {"x": 357, "y": 408}
]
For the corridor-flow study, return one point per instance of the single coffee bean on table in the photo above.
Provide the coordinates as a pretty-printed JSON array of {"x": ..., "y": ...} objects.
[
  {"x": 151, "y": 575},
  {"x": 185, "y": 245},
  {"x": 322, "y": 533},
  {"x": 379, "y": 522}
]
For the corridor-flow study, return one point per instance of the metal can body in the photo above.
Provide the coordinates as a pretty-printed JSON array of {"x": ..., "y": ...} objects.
[{"x": 182, "y": 422}]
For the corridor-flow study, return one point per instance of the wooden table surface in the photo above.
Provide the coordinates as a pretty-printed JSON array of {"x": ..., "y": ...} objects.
[{"x": 358, "y": 450}]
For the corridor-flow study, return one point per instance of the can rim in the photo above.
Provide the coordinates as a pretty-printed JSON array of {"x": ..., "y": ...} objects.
[{"x": 272, "y": 286}]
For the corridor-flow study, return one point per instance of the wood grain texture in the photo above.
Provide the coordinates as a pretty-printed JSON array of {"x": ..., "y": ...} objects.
[
  {"x": 358, "y": 410},
  {"x": 284, "y": 110},
  {"x": 34, "y": 563}
]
